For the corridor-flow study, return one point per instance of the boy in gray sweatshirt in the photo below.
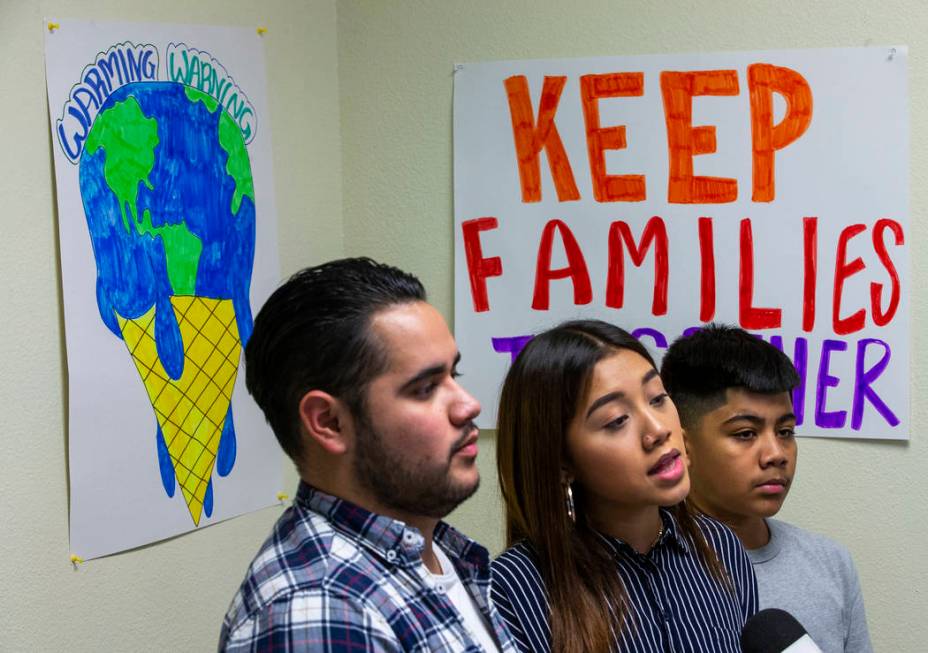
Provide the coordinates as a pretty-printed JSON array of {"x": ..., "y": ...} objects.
[{"x": 733, "y": 393}]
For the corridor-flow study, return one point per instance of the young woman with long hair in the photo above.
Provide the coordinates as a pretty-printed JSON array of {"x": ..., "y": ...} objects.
[{"x": 603, "y": 553}]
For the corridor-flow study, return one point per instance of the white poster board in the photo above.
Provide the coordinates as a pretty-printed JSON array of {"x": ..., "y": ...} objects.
[
  {"x": 167, "y": 224},
  {"x": 764, "y": 189}
]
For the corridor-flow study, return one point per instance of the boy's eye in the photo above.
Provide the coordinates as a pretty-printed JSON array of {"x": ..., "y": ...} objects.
[
  {"x": 660, "y": 399},
  {"x": 787, "y": 433},
  {"x": 744, "y": 435}
]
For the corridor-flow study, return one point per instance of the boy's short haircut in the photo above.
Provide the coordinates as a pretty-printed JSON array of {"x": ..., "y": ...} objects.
[{"x": 699, "y": 368}]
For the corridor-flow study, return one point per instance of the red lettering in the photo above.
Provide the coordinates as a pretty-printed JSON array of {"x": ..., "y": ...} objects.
[
  {"x": 530, "y": 137},
  {"x": 843, "y": 270},
  {"x": 685, "y": 141},
  {"x": 609, "y": 188},
  {"x": 478, "y": 267},
  {"x": 810, "y": 260},
  {"x": 767, "y": 138},
  {"x": 750, "y": 316},
  {"x": 654, "y": 232},
  {"x": 576, "y": 267},
  {"x": 707, "y": 270},
  {"x": 881, "y": 318}
]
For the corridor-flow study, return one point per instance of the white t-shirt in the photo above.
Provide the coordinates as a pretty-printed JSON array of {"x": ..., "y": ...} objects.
[{"x": 450, "y": 584}]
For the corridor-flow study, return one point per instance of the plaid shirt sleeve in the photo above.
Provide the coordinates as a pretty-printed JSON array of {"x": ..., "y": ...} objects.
[{"x": 312, "y": 620}]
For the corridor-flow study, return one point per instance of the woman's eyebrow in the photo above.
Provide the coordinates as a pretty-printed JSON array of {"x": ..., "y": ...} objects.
[
  {"x": 605, "y": 399},
  {"x": 650, "y": 374}
]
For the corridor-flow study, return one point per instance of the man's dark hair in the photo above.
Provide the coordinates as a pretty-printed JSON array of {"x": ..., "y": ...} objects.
[
  {"x": 314, "y": 333},
  {"x": 697, "y": 369}
]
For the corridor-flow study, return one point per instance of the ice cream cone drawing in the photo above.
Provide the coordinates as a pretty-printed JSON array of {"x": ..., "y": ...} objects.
[
  {"x": 192, "y": 411},
  {"x": 166, "y": 185}
]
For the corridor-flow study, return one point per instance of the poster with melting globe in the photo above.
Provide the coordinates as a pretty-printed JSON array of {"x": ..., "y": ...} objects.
[{"x": 168, "y": 246}]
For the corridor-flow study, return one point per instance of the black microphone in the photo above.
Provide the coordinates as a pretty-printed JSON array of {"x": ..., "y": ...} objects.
[{"x": 776, "y": 631}]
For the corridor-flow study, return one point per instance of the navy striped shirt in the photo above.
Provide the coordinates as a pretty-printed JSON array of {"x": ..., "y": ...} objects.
[{"x": 675, "y": 604}]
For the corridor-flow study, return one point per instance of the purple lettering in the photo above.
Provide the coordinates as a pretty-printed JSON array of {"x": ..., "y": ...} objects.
[
  {"x": 862, "y": 381},
  {"x": 659, "y": 339},
  {"x": 801, "y": 363},
  {"x": 512, "y": 345},
  {"x": 835, "y": 419}
]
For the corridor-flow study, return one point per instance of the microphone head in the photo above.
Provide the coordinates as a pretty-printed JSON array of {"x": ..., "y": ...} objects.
[{"x": 770, "y": 631}]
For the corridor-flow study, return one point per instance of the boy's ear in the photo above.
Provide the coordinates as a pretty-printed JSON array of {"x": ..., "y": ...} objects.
[{"x": 326, "y": 421}]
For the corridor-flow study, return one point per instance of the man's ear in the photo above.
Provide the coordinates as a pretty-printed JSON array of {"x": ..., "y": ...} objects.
[{"x": 325, "y": 420}]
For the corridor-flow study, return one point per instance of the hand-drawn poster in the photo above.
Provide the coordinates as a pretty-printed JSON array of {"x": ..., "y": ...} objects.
[
  {"x": 764, "y": 189},
  {"x": 168, "y": 245}
]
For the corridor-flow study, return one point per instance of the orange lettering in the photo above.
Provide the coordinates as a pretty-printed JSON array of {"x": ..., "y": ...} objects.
[
  {"x": 767, "y": 138},
  {"x": 530, "y": 137},
  {"x": 609, "y": 188},
  {"x": 685, "y": 141}
]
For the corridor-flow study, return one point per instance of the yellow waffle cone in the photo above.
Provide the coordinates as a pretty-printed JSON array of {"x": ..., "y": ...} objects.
[{"x": 191, "y": 410}]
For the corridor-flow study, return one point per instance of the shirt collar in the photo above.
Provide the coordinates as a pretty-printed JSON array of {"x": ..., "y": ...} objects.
[
  {"x": 391, "y": 538},
  {"x": 771, "y": 549},
  {"x": 672, "y": 536}
]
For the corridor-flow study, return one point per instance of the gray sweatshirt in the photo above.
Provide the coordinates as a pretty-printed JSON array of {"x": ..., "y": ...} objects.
[{"x": 814, "y": 579}]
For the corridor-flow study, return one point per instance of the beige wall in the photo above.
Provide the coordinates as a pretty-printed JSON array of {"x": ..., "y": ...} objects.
[
  {"x": 395, "y": 62},
  {"x": 375, "y": 80},
  {"x": 170, "y": 596}
]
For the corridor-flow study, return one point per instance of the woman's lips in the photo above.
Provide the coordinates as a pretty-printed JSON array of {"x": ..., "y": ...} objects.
[{"x": 668, "y": 468}]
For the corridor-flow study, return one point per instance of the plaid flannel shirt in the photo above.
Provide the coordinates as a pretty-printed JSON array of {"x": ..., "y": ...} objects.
[{"x": 334, "y": 577}]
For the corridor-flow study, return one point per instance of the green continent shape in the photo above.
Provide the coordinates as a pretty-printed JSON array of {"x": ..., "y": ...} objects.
[
  {"x": 182, "y": 250},
  {"x": 199, "y": 96},
  {"x": 129, "y": 138},
  {"x": 230, "y": 139},
  {"x": 238, "y": 166}
]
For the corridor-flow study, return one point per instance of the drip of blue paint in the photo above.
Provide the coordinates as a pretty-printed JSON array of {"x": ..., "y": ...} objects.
[
  {"x": 164, "y": 464},
  {"x": 225, "y": 457},
  {"x": 208, "y": 499}
]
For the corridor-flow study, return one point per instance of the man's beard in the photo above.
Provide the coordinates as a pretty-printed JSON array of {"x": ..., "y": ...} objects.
[{"x": 403, "y": 486}]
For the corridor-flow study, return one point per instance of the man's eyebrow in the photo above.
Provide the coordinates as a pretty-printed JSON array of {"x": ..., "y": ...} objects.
[
  {"x": 602, "y": 401},
  {"x": 429, "y": 372}
]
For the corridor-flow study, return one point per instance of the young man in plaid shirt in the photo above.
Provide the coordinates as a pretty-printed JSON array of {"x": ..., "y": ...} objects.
[{"x": 356, "y": 375}]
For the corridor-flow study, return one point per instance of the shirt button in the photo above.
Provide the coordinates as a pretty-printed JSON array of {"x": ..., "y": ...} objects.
[
  {"x": 391, "y": 555},
  {"x": 439, "y": 588}
]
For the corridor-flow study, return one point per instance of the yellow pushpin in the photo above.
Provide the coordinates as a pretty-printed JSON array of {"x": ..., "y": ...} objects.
[
  {"x": 76, "y": 560},
  {"x": 282, "y": 496},
  {"x": 53, "y": 26},
  {"x": 262, "y": 31}
]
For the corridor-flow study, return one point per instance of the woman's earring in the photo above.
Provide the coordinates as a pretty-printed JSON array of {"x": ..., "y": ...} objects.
[{"x": 569, "y": 495}]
